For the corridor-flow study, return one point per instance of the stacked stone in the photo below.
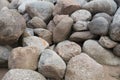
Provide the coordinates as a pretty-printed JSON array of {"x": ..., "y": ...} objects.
[{"x": 60, "y": 39}]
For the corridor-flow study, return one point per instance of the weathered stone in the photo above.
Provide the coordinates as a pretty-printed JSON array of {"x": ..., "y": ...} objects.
[
  {"x": 51, "y": 26},
  {"x": 107, "y": 42},
  {"x": 116, "y": 50},
  {"x": 28, "y": 32},
  {"x": 3, "y": 3},
  {"x": 62, "y": 29},
  {"x": 66, "y": 7},
  {"x": 80, "y": 26},
  {"x": 24, "y": 58},
  {"x": 51, "y": 65},
  {"x": 23, "y": 74},
  {"x": 99, "y": 26},
  {"x": 12, "y": 25},
  {"x": 38, "y": 42},
  {"x": 36, "y": 22},
  {"x": 44, "y": 33},
  {"x": 82, "y": 2},
  {"x": 95, "y": 6},
  {"x": 98, "y": 53},
  {"x": 45, "y": 8},
  {"x": 114, "y": 30},
  {"x": 81, "y": 36},
  {"x": 83, "y": 67},
  {"x": 81, "y": 15},
  {"x": 67, "y": 50}
]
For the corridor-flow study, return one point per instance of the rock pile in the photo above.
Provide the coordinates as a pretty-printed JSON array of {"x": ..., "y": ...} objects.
[{"x": 60, "y": 39}]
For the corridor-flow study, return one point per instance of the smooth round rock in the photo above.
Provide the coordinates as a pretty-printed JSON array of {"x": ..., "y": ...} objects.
[
  {"x": 51, "y": 65},
  {"x": 23, "y": 74},
  {"x": 83, "y": 67},
  {"x": 12, "y": 25},
  {"x": 99, "y": 26},
  {"x": 81, "y": 15},
  {"x": 67, "y": 50}
]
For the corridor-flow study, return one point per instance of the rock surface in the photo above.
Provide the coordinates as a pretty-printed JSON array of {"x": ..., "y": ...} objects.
[
  {"x": 24, "y": 58},
  {"x": 51, "y": 65},
  {"x": 22, "y": 74},
  {"x": 82, "y": 67},
  {"x": 116, "y": 50}
]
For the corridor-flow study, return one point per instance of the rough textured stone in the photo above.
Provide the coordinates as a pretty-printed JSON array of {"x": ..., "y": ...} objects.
[
  {"x": 5, "y": 51},
  {"x": 44, "y": 33},
  {"x": 22, "y": 74},
  {"x": 81, "y": 15},
  {"x": 107, "y": 42},
  {"x": 82, "y": 67},
  {"x": 99, "y": 26},
  {"x": 67, "y": 50},
  {"x": 36, "y": 22},
  {"x": 81, "y": 2},
  {"x": 51, "y": 65},
  {"x": 45, "y": 8},
  {"x": 28, "y": 32},
  {"x": 81, "y": 36},
  {"x": 101, "y": 55},
  {"x": 95, "y": 6},
  {"x": 12, "y": 25},
  {"x": 24, "y": 58},
  {"x": 114, "y": 30},
  {"x": 38, "y": 42},
  {"x": 52, "y": 1},
  {"x": 62, "y": 29},
  {"x": 116, "y": 50},
  {"x": 66, "y": 7},
  {"x": 105, "y": 15},
  {"x": 80, "y": 26},
  {"x": 51, "y": 26}
]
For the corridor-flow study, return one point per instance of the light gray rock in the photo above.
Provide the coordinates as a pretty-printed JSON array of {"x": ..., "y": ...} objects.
[
  {"x": 67, "y": 50},
  {"x": 62, "y": 30},
  {"x": 96, "y": 6},
  {"x": 36, "y": 22},
  {"x": 52, "y": 1},
  {"x": 44, "y": 33},
  {"x": 107, "y": 42},
  {"x": 81, "y": 15},
  {"x": 3, "y": 3},
  {"x": 5, "y": 51},
  {"x": 45, "y": 8},
  {"x": 12, "y": 25},
  {"x": 51, "y": 65},
  {"x": 114, "y": 30},
  {"x": 98, "y": 53},
  {"x": 28, "y": 32},
  {"x": 38, "y": 42},
  {"x": 24, "y": 58},
  {"x": 83, "y": 67},
  {"x": 22, "y": 74},
  {"x": 105, "y": 15},
  {"x": 80, "y": 26},
  {"x": 81, "y": 2},
  {"x": 82, "y": 36},
  {"x": 99, "y": 26}
]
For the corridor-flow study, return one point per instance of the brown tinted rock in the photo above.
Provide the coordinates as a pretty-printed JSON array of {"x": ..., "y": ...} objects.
[
  {"x": 28, "y": 32},
  {"x": 24, "y": 58},
  {"x": 44, "y": 33},
  {"x": 116, "y": 50},
  {"x": 51, "y": 26},
  {"x": 36, "y": 22},
  {"x": 83, "y": 67},
  {"x": 62, "y": 29},
  {"x": 107, "y": 42},
  {"x": 66, "y": 7},
  {"x": 12, "y": 25},
  {"x": 38, "y": 42},
  {"x": 81, "y": 36},
  {"x": 68, "y": 49},
  {"x": 23, "y": 74}
]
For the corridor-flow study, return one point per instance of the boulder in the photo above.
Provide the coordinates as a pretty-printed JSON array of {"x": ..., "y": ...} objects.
[{"x": 116, "y": 50}]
